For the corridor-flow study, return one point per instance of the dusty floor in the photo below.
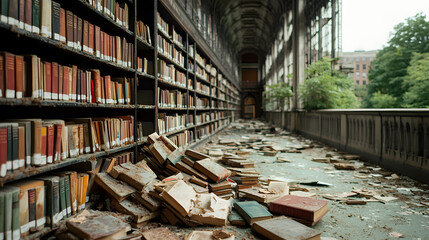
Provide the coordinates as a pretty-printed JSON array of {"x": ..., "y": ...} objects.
[{"x": 408, "y": 215}]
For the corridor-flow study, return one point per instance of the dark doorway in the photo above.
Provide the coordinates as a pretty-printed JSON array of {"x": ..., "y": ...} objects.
[{"x": 249, "y": 110}]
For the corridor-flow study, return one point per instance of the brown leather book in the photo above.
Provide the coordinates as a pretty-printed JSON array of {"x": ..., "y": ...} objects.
[
  {"x": 212, "y": 170},
  {"x": 85, "y": 41},
  {"x": 28, "y": 16},
  {"x": 102, "y": 56},
  {"x": 63, "y": 25},
  {"x": 75, "y": 32},
  {"x": 60, "y": 82},
  {"x": 9, "y": 74},
  {"x": 79, "y": 33},
  {"x": 47, "y": 91},
  {"x": 3, "y": 150},
  {"x": 66, "y": 83},
  {"x": 21, "y": 14},
  {"x": 50, "y": 143},
  {"x": 32, "y": 72},
  {"x": 19, "y": 76},
  {"x": 2, "y": 75},
  {"x": 97, "y": 41},
  {"x": 97, "y": 85},
  {"x": 309, "y": 209},
  {"x": 21, "y": 148},
  {"x": 55, "y": 83},
  {"x": 284, "y": 228},
  {"x": 117, "y": 189},
  {"x": 73, "y": 83},
  {"x": 69, "y": 28}
]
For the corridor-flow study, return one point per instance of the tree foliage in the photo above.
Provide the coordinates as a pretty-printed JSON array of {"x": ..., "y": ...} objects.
[
  {"x": 279, "y": 92},
  {"x": 381, "y": 100},
  {"x": 417, "y": 82},
  {"x": 390, "y": 68},
  {"x": 325, "y": 88}
]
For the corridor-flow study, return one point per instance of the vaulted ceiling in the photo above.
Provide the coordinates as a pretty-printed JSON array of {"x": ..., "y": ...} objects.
[{"x": 251, "y": 25}]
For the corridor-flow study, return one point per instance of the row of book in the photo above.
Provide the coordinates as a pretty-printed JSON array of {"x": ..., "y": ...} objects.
[
  {"x": 200, "y": 72},
  {"x": 29, "y": 76},
  {"x": 202, "y": 61},
  {"x": 169, "y": 123},
  {"x": 172, "y": 98},
  {"x": 143, "y": 32},
  {"x": 119, "y": 12},
  {"x": 177, "y": 38},
  {"x": 169, "y": 50},
  {"x": 191, "y": 65},
  {"x": 182, "y": 139},
  {"x": 201, "y": 87},
  {"x": 48, "y": 19},
  {"x": 202, "y": 103},
  {"x": 204, "y": 131},
  {"x": 202, "y": 118},
  {"x": 30, "y": 205},
  {"x": 25, "y": 143},
  {"x": 168, "y": 73},
  {"x": 144, "y": 66},
  {"x": 163, "y": 25}
]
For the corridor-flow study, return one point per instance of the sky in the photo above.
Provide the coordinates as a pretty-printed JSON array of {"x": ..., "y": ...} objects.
[{"x": 367, "y": 23}]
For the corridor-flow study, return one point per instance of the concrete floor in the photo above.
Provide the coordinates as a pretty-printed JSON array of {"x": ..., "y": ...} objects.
[{"x": 408, "y": 215}]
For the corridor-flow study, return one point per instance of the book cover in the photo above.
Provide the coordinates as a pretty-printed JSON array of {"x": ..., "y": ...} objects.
[
  {"x": 285, "y": 228},
  {"x": 21, "y": 148},
  {"x": 47, "y": 81},
  {"x": 9, "y": 74},
  {"x": 19, "y": 76},
  {"x": 35, "y": 16},
  {"x": 46, "y": 18},
  {"x": 252, "y": 211},
  {"x": 50, "y": 143},
  {"x": 3, "y": 150},
  {"x": 43, "y": 146},
  {"x": 53, "y": 213},
  {"x": 56, "y": 19},
  {"x": 15, "y": 146},
  {"x": 310, "y": 209},
  {"x": 63, "y": 25},
  {"x": 55, "y": 81},
  {"x": 212, "y": 170}
]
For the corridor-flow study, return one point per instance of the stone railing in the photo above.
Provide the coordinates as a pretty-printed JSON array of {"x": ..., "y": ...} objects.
[{"x": 397, "y": 139}]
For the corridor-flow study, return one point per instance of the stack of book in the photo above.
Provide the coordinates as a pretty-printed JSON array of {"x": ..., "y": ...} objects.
[{"x": 168, "y": 123}]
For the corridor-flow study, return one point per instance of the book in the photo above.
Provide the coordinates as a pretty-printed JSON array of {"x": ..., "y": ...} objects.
[
  {"x": 9, "y": 215},
  {"x": 195, "y": 155},
  {"x": 3, "y": 149},
  {"x": 235, "y": 219},
  {"x": 180, "y": 196},
  {"x": 35, "y": 28},
  {"x": 46, "y": 18},
  {"x": 139, "y": 213},
  {"x": 52, "y": 189},
  {"x": 252, "y": 211},
  {"x": 210, "y": 209},
  {"x": 212, "y": 170},
  {"x": 137, "y": 175},
  {"x": 117, "y": 189},
  {"x": 280, "y": 228},
  {"x": 309, "y": 209},
  {"x": 97, "y": 225}
]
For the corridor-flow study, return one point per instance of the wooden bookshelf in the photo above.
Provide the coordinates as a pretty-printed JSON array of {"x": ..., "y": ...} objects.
[{"x": 222, "y": 98}]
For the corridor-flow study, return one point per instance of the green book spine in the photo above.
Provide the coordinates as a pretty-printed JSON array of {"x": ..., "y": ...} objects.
[
  {"x": 251, "y": 209},
  {"x": 3, "y": 11},
  {"x": 9, "y": 148},
  {"x": 15, "y": 214},
  {"x": 36, "y": 16},
  {"x": 8, "y": 214},
  {"x": 56, "y": 209},
  {"x": 15, "y": 148},
  {"x": 62, "y": 192},
  {"x": 67, "y": 190},
  {"x": 2, "y": 213},
  {"x": 56, "y": 20},
  {"x": 48, "y": 201}
]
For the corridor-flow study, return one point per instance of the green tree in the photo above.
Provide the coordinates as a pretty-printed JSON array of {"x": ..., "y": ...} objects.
[
  {"x": 389, "y": 69},
  {"x": 381, "y": 100},
  {"x": 280, "y": 93},
  {"x": 417, "y": 82},
  {"x": 326, "y": 88}
]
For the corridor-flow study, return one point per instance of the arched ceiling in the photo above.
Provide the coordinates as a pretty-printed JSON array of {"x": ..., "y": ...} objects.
[{"x": 250, "y": 24}]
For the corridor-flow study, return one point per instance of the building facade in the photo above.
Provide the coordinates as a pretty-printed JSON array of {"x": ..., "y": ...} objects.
[{"x": 357, "y": 64}]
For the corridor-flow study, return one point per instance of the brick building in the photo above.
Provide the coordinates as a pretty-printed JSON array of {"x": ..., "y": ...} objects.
[{"x": 357, "y": 64}]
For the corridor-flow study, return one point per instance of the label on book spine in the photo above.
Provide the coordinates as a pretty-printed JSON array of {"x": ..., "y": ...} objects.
[
  {"x": 3, "y": 170},
  {"x": 41, "y": 221},
  {"x": 70, "y": 44},
  {"x": 19, "y": 95},
  {"x": 9, "y": 234},
  {"x": 49, "y": 159},
  {"x": 87, "y": 149},
  {"x": 66, "y": 97},
  {"x": 35, "y": 29},
  {"x": 37, "y": 159},
  {"x": 35, "y": 94},
  {"x": 83, "y": 97},
  {"x": 56, "y": 36},
  {"x": 97, "y": 53},
  {"x": 16, "y": 234},
  {"x": 15, "y": 164},
  {"x": 62, "y": 39},
  {"x": 21, "y": 163},
  {"x": 57, "y": 217},
  {"x": 32, "y": 224},
  {"x": 75, "y": 205},
  {"x": 42, "y": 160},
  {"x": 9, "y": 165},
  {"x": 87, "y": 199},
  {"x": 10, "y": 93},
  {"x": 69, "y": 210},
  {"x": 63, "y": 156},
  {"x": 28, "y": 160},
  {"x": 45, "y": 31},
  {"x": 21, "y": 24},
  {"x": 99, "y": 7},
  {"x": 64, "y": 212},
  {"x": 47, "y": 95},
  {"x": 54, "y": 96},
  {"x": 27, "y": 27},
  {"x": 3, "y": 18},
  {"x": 73, "y": 96}
]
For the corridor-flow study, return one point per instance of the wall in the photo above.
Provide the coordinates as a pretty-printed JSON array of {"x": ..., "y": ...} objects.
[{"x": 396, "y": 139}]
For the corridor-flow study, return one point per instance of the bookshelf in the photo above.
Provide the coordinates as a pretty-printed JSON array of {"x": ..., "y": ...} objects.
[{"x": 148, "y": 49}]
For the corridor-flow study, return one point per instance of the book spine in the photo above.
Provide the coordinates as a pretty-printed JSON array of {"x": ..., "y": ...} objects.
[
  {"x": 58, "y": 132},
  {"x": 37, "y": 143},
  {"x": 15, "y": 214},
  {"x": 36, "y": 16},
  {"x": 19, "y": 76},
  {"x": 63, "y": 25},
  {"x": 47, "y": 94},
  {"x": 13, "y": 13},
  {"x": 2, "y": 74},
  {"x": 79, "y": 33},
  {"x": 60, "y": 82},
  {"x": 3, "y": 152},
  {"x": 57, "y": 215},
  {"x": 62, "y": 195},
  {"x": 15, "y": 148},
  {"x": 67, "y": 195},
  {"x": 28, "y": 15},
  {"x": 54, "y": 75},
  {"x": 91, "y": 38},
  {"x": 10, "y": 75},
  {"x": 56, "y": 20},
  {"x": 2, "y": 214},
  {"x": 46, "y": 18},
  {"x": 43, "y": 146},
  {"x": 40, "y": 207},
  {"x": 8, "y": 201},
  {"x": 32, "y": 209},
  {"x": 21, "y": 14},
  {"x": 69, "y": 28},
  {"x": 21, "y": 148},
  {"x": 66, "y": 80},
  {"x": 4, "y": 7},
  {"x": 50, "y": 144},
  {"x": 28, "y": 152}
]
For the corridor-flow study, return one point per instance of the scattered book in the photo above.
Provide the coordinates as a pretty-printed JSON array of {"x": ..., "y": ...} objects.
[
  {"x": 252, "y": 211},
  {"x": 283, "y": 228}
]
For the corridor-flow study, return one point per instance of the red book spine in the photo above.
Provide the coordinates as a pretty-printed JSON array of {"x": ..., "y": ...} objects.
[
  {"x": 3, "y": 152},
  {"x": 19, "y": 76},
  {"x": 50, "y": 142},
  {"x": 58, "y": 132},
  {"x": 55, "y": 81},
  {"x": 101, "y": 44},
  {"x": 28, "y": 15},
  {"x": 2, "y": 75},
  {"x": 47, "y": 94},
  {"x": 21, "y": 15},
  {"x": 10, "y": 75},
  {"x": 66, "y": 90},
  {"x": 43, "y": 146},
  {"x": 92, "y": 89}
]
